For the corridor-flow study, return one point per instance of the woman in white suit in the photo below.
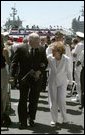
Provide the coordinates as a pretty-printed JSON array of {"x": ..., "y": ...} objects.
[{"x": 60, "y": 73}]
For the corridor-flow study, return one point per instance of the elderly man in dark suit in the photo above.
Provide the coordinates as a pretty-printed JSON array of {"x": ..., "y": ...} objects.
[{"x": 32, "y": 61}]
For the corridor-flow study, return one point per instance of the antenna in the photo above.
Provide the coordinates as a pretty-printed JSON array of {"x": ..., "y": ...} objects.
[
  {"x": 14, "y": 12},
  {"x": 82, "y": 11}
]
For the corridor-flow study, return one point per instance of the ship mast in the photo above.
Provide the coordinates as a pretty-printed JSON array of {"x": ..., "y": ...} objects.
[
  {"x": 82, "y": 11},
  {"x": 14, "y": 22},
  {"x": 14, "y": 12}
]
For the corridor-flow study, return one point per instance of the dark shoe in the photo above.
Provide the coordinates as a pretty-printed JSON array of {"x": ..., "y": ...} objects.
[
  {"x": 5, "y": 120},
  {"x": 31, "y": 123},
  {"x": 68, "y": 123},
  {"x": 55, "y": 124},
  {"x": 43, "y": 90},
  {"x": 22, "y": 126},
  {"x": 81, "y": 107}
]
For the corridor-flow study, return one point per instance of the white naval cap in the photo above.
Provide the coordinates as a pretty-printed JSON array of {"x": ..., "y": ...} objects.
[
  {"x": 15, "y": 36},
  {"x": 80, "y": 34},
  {"x": 5, "y": 33}
]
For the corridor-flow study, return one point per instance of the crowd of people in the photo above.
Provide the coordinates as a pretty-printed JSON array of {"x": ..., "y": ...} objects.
[{"x": 39, "y": 62}]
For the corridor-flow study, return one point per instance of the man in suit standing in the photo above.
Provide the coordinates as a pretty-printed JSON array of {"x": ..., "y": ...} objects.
[{"x": 32, "y": 62}]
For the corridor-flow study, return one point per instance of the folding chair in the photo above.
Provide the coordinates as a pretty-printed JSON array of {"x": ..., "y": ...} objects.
[{"x": 73, "y": 87}]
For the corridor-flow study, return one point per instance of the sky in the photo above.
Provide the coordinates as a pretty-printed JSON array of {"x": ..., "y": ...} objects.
[{"x": 43, "y": 13}]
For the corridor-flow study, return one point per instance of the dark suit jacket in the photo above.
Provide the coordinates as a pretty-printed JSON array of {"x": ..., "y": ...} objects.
[{"x": 25, "y": 61}]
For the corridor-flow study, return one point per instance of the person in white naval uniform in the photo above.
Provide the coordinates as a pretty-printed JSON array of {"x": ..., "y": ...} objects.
[
  {"x": 60, "y": 73},
  {"x": 81, "y": 61},
  {"x": 67, "y": 43},
  {"x": 76, "y": 54}
]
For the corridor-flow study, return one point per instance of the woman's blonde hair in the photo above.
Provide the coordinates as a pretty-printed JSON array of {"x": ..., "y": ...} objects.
[{"x": 58, "y": 47}]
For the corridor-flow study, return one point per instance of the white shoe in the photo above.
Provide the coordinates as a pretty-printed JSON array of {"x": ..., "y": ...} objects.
[
  {"x": 53, "y": 123},
  {"x": 75, "y": 99}
]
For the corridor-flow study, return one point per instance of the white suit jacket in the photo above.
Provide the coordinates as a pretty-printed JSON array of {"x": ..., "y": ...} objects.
[
  {"x": 60, "y": 72},
  {"x": 59, "y": 75}
]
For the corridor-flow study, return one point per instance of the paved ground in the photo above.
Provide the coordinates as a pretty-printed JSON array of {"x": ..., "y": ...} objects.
[{"x": 43, "y": 118}]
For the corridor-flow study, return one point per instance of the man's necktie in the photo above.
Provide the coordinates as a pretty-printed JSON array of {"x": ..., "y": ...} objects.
[{"x": 34, "y": 51}]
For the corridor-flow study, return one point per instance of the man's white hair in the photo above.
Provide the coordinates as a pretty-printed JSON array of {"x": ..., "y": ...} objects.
[{"x": 33, "y": 36}]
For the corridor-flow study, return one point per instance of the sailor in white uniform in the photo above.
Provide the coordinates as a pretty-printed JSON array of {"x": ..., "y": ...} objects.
[
  {"x": 76, "y": 54},
  {"x": 68, "y": 42},
  {"x": 81, "y": 61},
  {"x": 60, "y": 73}
]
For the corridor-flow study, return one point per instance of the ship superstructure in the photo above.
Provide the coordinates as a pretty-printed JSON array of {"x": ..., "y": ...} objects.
[
  {"x": 15, "y": 27},
  {"x": 78, "y": 24},
  {"x": 14, "y": 22}
]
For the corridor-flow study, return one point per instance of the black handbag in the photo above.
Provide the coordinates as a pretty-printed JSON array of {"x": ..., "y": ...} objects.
[{"x": 5, "y": 120}]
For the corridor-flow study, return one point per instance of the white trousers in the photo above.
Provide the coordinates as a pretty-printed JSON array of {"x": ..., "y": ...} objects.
[
  {"x": 77, "y": 80},
  {"x": 58, "y": 100}
]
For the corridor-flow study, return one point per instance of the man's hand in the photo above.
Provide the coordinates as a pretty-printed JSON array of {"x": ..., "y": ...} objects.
[
  {"x": 74, "y": 55},
  {"x": 12, "y": 81},
  {"x": 32, "y": 73},
  {"x": 70, "y": 86},
  {"x": 78, "y": 63},
  {"x": 42, "y": 65},
  {"x": 37, "y": 74}
]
